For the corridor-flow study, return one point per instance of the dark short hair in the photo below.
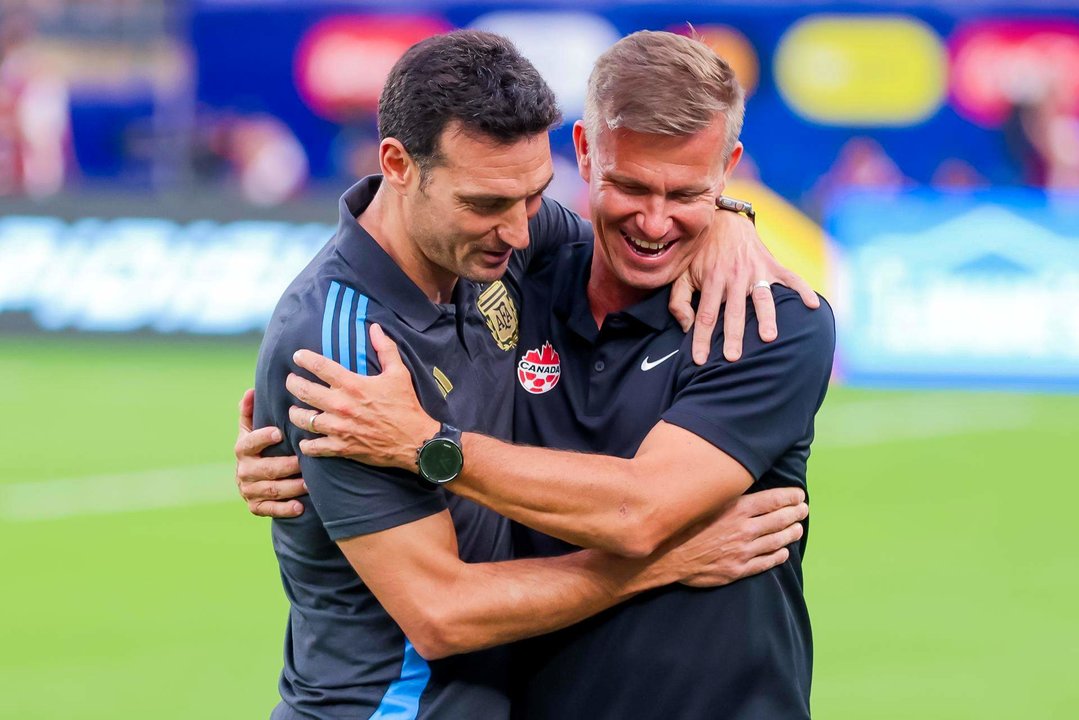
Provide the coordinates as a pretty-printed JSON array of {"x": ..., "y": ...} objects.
[{"x": 476, "y": 78}]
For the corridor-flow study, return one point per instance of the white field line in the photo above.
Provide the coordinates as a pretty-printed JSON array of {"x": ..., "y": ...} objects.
[
  {"x": 118, "y": 493},
  {"x": 854, "y": 424},
  {"x": 883, "y": 421}
]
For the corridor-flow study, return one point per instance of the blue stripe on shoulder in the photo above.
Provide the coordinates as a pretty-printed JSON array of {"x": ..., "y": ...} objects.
[
  {"x": 402, "y": 698},
  {"x": 343, "y": 346},
  {"x": 327, "y": 319},
  {"x": 361, "y": 335}
]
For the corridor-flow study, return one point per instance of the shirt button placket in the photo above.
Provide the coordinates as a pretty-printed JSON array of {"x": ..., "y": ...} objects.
[{"x": 595, "y": 385}]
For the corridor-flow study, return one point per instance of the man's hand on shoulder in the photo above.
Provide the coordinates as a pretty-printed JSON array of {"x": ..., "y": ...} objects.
[
  {"x": 377, "y": 420},
  {"x": 732, "y": 265},
  {"x": 268, "y": 484}
]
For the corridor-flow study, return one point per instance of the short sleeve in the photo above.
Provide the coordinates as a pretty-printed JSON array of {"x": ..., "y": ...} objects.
[
  {"x": 758, "y": 407},
  {"x": 551, "y": 228},
  {"x": 351, "y": 498}
]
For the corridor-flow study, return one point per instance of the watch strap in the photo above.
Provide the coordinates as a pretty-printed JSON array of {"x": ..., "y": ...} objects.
[{"x": 742, "y": 207}]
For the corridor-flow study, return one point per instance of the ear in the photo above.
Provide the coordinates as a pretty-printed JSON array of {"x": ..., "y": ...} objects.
[
  {"x": 398, "y": 168},
  {"x": 580, "y": 145},
  {"x": 732, "y": 161}
]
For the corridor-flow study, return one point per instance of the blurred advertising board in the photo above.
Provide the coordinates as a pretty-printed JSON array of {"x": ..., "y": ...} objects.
[
  {"x": 148, "y": 274},
  {"x": 117, "y": 263},
  {"x": 979, "y": 289},
  {"x": 929, "y": 289}
]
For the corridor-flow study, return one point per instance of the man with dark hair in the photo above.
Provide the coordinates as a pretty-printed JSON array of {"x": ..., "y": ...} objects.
[
  {"x": 604, "y": 369},
  {"x": 386, "y": 575},
  {"x": 424, "y": 88}
]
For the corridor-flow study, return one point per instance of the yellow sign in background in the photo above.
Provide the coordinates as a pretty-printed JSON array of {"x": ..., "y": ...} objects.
[{"x": 862, "y": 70}]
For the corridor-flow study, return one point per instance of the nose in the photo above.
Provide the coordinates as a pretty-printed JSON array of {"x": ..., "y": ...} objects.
[
  {"x": 513, "y": 230},
  {"x": 654, "y": 220}
]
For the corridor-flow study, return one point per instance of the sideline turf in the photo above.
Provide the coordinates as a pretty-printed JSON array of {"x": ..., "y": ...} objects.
[{"x": 940, "y": 573}]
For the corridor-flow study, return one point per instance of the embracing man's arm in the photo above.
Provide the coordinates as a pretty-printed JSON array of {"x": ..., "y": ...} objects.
[
  {"x": 400, "y": 539},
  {"x": 724, "y": 429},
  {"x": 627, "y": 506},
  {"x": 446, "y": 606},
  {"x": 749, "y": 535}
]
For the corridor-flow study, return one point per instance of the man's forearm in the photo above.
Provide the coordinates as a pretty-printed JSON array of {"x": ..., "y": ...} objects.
[
  {"x": 626, "y": 506},
  {"x": 488, "y": 604},
  {"x": 588, "y": 500}
]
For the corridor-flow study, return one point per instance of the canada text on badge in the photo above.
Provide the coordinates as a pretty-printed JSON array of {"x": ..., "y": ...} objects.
[{"x": 539, "y": 370}]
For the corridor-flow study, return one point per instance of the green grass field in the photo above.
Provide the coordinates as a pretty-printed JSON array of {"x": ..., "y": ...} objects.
[{"x": 941, "y": 570}]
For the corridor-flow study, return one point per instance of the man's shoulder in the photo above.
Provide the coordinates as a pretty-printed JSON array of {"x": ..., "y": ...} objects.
[
  {"x": 553, "y": 226},
  {"x": 791, "y": 309},
  {"x": 757, "y": 408},
  {"x": 805, "y": 344},
  {"x": 294, "y": 325},
  {"x": 322, "y": 297},
  {"x": 297, "y": 320},
  {"x": 323, "y": 310},
  {"x": 556, "y": 218},
  {"x": 564, "y": 267},
  {"x": 802, "y": 330},
  {"x": 804, "y": 347}
]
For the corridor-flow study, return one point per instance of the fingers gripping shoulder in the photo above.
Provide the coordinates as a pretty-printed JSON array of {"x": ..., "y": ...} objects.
[{"x": 798, "y": 326}]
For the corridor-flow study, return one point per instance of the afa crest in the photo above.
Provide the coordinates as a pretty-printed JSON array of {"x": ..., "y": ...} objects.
[{"x": 499, "y": 311}]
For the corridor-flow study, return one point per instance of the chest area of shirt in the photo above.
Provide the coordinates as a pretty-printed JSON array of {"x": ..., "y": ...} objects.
[
  {"x": 601, "y": 396},
  {"x": 462, "y": 365}
]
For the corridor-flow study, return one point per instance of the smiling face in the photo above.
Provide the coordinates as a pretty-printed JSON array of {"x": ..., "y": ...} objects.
[
  {"x": 472, "y": 209},
  {"x": 652, "y": 199}
]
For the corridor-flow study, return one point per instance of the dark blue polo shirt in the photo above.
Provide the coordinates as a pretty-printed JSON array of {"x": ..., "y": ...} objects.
[
  {"x": 344, "y": 655},
  {"x": 740, "y": 652}
]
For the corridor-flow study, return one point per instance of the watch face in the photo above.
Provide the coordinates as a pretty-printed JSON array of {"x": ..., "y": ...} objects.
[{"x": 440, "y": 460}]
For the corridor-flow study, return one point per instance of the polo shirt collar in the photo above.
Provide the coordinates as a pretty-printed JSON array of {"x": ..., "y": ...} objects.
[
  {"x": 376, "y": 274},
  {"x": 571, "y": 299},
  {"x": 652, "y": 311}
]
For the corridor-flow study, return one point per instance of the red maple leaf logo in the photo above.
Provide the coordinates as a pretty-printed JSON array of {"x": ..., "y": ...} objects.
[
  {"x": 539, "y": 370},
  {"x": 546, "y": 355}
]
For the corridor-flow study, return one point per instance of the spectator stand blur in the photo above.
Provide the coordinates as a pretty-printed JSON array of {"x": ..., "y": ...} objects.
[
  {"x": 95, "y": 92},
  {"x": 223, "y": 111}
]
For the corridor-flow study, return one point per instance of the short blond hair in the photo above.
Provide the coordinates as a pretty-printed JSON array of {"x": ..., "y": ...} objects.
[{"x": 664, "y": 84}]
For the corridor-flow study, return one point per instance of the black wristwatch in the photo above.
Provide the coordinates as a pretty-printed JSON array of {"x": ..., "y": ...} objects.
[
  {"x": 743, "y": 207},
  {"x": 440, "y": 459}
]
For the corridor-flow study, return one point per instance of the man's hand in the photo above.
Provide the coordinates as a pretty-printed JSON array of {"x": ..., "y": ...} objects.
[
  {"x": 268, "y": 484},
  {"x": 725, "y": 271},
  {"x": 377, "y": 420},
  {"x": 750, "y": 536}
]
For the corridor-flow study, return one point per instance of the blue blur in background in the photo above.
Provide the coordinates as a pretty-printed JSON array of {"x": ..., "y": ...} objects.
[{"x": 920, "y": 162}]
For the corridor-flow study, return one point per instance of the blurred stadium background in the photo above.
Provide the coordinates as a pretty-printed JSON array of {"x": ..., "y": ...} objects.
[{"x": 167, "y": 165}]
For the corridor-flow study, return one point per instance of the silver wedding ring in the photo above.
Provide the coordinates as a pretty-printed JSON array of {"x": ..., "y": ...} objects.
[
  {"x": 311, "y": 422},
  {"x": 762, "y": 284}
]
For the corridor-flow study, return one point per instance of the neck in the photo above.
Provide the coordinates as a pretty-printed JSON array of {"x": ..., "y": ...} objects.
[
  {"x": 385, "y": 220},
  {"x": 606, "y": 293}
]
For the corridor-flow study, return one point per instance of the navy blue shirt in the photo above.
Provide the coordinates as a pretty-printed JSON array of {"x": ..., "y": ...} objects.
[
  {"x": 344, "y": 655},
  {"x": 738, "y": 652}
]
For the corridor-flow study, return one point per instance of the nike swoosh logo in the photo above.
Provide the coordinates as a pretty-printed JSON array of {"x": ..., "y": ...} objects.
[{"x": 647, "y": 365}]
